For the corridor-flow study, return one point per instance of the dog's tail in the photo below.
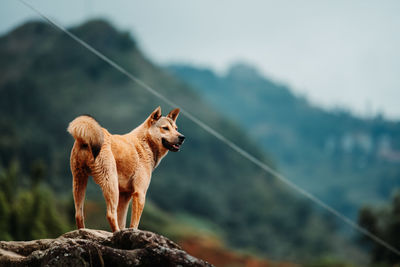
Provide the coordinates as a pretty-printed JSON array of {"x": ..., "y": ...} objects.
[{"x": 87, "y": 131}]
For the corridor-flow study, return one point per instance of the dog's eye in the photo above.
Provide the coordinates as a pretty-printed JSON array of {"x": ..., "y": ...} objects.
[{"x": 165, "y": 128}]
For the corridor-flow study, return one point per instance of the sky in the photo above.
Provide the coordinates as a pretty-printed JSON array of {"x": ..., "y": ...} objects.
[{"x": 343, "y": 53}]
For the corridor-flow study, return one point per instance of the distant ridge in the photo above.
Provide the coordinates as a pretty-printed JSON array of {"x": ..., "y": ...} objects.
[{"x": 345, "y": 160}]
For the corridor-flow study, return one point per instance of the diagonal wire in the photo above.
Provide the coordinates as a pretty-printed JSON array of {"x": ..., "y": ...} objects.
[{"x": 219, "y": 136}]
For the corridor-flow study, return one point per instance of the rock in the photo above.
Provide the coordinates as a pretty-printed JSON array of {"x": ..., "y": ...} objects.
[{"x": 88, "y": 247}]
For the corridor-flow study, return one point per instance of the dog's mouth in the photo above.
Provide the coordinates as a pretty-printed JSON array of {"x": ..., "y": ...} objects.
[{"x": 170, "y": 146}]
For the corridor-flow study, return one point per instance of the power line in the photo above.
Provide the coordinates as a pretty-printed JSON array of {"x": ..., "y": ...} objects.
[{"x": 219, "y": 136}]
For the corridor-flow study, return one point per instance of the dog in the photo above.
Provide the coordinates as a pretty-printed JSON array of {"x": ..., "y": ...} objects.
[{"x": 120, "y": 164}]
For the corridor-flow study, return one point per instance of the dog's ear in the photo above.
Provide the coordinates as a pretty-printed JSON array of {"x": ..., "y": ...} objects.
[
  {"x": 154, "y": 116},
  {"x": 174, "y": 114}
]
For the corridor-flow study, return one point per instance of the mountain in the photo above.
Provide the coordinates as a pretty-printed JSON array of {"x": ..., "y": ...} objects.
[
  {"x": 344, "y": 160},
  {"x": 47, "y": 79}
]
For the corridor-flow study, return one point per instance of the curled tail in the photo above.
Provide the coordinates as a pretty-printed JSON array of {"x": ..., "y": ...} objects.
[{"x": 87, "y": 131}]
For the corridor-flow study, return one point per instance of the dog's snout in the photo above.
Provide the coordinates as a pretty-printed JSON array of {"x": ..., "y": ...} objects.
[{"x": 181, "y": 138}]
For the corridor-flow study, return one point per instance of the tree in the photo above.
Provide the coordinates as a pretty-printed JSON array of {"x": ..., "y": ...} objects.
[
  {"x": 28, "y": 213},
  {"x": 384, "y": 223}
]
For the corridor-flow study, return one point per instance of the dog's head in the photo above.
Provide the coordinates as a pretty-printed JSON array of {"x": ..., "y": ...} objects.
[{"x": 163, "y": 130}]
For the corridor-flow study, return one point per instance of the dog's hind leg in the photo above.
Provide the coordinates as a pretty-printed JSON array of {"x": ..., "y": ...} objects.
[
  {"x": 110, "y": 192},
  {"x": 79, "y": 185},
  {"x": 122, "y": 210},
  {"x": 79, "y": 181},
  {"x": 105, "y": 175}
]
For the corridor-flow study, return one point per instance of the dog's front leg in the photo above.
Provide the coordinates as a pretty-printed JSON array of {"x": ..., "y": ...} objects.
[
  {"x": 138, "y": 200},
  {"x": 140, "y": 185},
  {"x": 123, "y": 203}
]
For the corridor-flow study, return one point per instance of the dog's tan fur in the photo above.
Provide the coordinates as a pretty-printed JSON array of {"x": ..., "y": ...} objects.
[{"x": 120, "y": 164}]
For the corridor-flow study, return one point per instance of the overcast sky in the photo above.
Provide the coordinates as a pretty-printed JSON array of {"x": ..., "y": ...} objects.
[{"x": 337, "y": 53}]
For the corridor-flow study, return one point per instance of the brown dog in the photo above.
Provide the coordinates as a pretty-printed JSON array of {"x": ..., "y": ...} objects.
[{"x": 120, "y": 164}]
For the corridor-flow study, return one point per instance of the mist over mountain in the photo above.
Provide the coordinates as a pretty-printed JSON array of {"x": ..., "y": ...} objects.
[
  {"x": 345, "y": 160},
  {"x": 46, "y": 79}
]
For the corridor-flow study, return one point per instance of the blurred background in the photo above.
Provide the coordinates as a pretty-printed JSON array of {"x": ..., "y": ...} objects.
[{"x": 311, "y": 88}]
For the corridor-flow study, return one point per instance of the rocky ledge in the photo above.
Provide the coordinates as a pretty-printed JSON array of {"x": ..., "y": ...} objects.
[{"x": 88, "y": 247}]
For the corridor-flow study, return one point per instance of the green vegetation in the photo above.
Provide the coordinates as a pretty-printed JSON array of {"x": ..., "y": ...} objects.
[
  {"x": 46, "y": 79},
  {"x": 384, "y": 222},
  {"x": 25, "y": 213},
  {"x": 345, "y": 160}
]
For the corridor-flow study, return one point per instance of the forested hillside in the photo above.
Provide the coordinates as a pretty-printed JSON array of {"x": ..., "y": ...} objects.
[
  {"x": 46, "y": 79},
  {"x": 343, "y": 159}
]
